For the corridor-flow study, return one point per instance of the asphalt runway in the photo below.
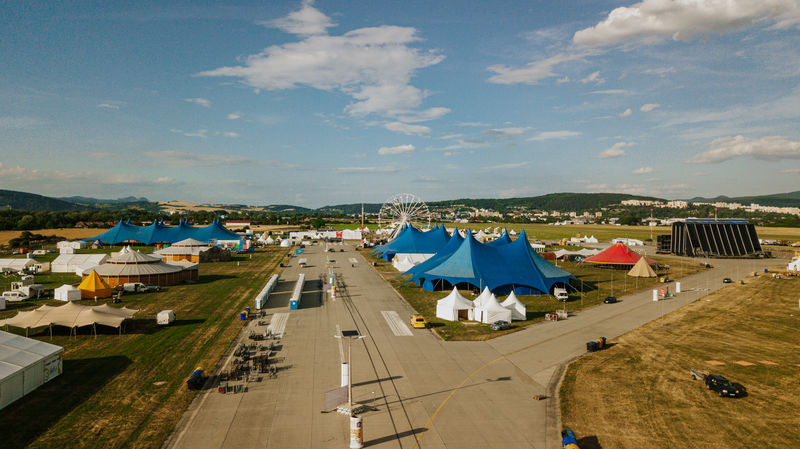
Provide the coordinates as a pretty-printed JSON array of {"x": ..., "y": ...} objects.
[{"x": 417, "y": 390}]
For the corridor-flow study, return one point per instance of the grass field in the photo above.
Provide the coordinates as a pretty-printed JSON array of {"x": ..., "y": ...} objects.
[
  {"x": 638, "y": 393},
  {"x": 597, "y": 283},
  {"x": 129, "y": 390},
  {"x": 66, "y": 233}
]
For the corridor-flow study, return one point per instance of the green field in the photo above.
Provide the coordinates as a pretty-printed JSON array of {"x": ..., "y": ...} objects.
[
  {"x": 593, "y": 285},
  {"x": 129, "y": 390},
  {"x": 638, "y": 393}
]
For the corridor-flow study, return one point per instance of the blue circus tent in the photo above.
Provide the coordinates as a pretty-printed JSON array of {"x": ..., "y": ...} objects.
[
  {"x": 502, "y": 240},
  {"x": 412, "y": 240},
  {"x": 511, "y": 267},
  {"x": 157, "y": 232},
  {"x": 452, "y": 245}
]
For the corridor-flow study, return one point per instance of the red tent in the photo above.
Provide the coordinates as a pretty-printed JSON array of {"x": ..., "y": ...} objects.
[{"x": 617, "y": 254}]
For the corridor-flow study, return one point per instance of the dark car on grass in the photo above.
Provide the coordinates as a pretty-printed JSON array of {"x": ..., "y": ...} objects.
[
  {"x": 727, "y": 281},
  {"x": 610, "y": 300},
  {"x": 724, "y": 387}
]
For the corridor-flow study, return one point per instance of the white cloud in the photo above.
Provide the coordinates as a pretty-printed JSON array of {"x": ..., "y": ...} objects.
[
  {"x": 466, "y": 143},
  {"x": 107, "y": 106},
  {"x": 626, "y": 113},
  {"x": 615, "y": 150},
  {"x": 234, "y": 115},
  {"x": 548, "y": 135},
  {"x": 425, "y": 115},
  {"x": 699, "y": 173},
  {"x": 175, "y": 158},
  {"x": 374, "y": 66},
  {"x": 506, "y": 133},
  {"x": 790, "y": 171},
  {"x": 610, "y": 92},
  {"x": 369, "y": 169},
  {"x": 562, "y": 80},
  {"x": 660, "y": 71},
  {"x": 510, "y": 165},
  {"x": 472, "y": 124},
  {"x": 596, "y": 187},
  {"x": 593, "y": 78},
  {"x": 451, "y": 153},
  {"x": 649, "y": 107},
  {"x": 306, "y": 21},
  {"x": 230, "y": 134},
  {"x": 70, "y": 180},
  {"x": 407, "y": 129},
  {"x": 683, "y": 20},
  {"x": 643, "y": 170},
  {"x": 19, "y": 122},
  {"x": 399, "y": 149},
  {"x": 452, "y": 136},
  {"x": 199, "y": 101},
  {"x": 770, "y": 148},
  {"x": 199, "y": 133},
  {"x": 534, "y": 71}
]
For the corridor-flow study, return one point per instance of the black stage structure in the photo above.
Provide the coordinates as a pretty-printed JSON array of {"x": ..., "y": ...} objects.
[{"x": 725, "y": 238}]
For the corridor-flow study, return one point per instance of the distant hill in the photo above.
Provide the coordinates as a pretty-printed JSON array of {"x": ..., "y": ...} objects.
[
  {"x": 10, "y": 199},
  {"x": 789, "y": 199},
  {"x": 554, "y": 201},
  {"x": 286, "y": 208},
  {"x": 88, "y": 200}
]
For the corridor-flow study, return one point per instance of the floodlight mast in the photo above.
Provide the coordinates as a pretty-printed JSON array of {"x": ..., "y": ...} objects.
[{"x": 350, "y": 334}]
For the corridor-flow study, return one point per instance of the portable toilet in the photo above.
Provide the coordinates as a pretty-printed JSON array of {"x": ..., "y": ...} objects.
[
  {"x": 243, "y": 316},
  {"x": 294, "y": 304}
]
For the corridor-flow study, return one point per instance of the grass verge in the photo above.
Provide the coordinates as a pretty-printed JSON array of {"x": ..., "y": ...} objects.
[{"x": 638, "y": 393}]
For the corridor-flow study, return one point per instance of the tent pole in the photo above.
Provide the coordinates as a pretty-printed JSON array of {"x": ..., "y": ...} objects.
[{"x": 51, "y": 331}]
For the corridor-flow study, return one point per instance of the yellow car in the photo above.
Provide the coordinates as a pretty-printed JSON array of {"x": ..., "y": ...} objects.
[{"x": 418, "y": 322}]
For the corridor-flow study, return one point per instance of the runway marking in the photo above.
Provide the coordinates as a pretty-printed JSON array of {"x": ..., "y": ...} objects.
[
  {"x": 277, "y": 326},
  {"x": 399, "y": 329}
]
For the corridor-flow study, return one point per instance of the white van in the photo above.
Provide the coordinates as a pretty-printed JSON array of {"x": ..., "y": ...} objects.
[
  {"x": 132, "y": 287},
  {"x": 560, "y": 294},
  {"x": 15, "y": 296}
]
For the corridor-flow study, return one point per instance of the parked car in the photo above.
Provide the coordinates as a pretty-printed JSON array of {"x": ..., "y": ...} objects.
[
  {"x": 610, "y": 300},
  {"x": 724, "y": 387},
  {"x": 500, "y": 325},
  {"x": 149, "y": 288},
  {"x": 727, "y": 281},
  {"x": 418, "y": 322}
]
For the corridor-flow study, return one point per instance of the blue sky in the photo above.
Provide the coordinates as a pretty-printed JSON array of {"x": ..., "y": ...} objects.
[{"x": 330, "y": 102}]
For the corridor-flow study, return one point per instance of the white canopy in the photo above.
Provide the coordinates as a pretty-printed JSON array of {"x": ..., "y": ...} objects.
[
  {"x": 70, "y": 263},
  {"x": 286, "y": 243},
  {"x": 794, "y": 265},
  {"x": 518, "y": 310},
  {"x": 483, "y": 297},
  {"x": 67, "y": 293},
  {"x": 405, "y": 261},
  {"x": 448, "y": 308},
  {"x": 491, "y": 311}
]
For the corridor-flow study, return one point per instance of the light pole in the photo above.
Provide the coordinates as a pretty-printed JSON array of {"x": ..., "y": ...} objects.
[{"x": 356, "y": 429}]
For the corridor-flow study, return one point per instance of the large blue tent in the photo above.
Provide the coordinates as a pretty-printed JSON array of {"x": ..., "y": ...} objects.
[
  {"x": 505, "y": 268},
  {"x": 412, "y": 240},
  {"x": 502, "y": 240},
  {"x": 160, "y": 233}
]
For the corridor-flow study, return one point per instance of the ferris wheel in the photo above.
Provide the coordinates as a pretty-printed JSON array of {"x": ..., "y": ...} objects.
[{"x": 402, "y": 209}]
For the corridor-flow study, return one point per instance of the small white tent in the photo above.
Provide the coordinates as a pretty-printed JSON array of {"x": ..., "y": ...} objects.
[
  {"x": 454, "y": 307},
  {"x": 491, "y": 311},
  {"x": 518, "y": 310},
  {"x": 285, "y": 243},
  {"x": 480, "y": 236},
  {"x": 794, "y": 265},
  {"x": 67, "y": 293},
  {"x": 405, "y": 261},
  {"x": 484, "y": 296}
]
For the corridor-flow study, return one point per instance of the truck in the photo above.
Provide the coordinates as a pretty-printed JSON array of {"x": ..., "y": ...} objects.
[{"x": 560, "y": 294}]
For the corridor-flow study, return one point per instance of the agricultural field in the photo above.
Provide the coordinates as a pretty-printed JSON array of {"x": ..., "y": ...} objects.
[
  {"x": 594, "y": 284},
  {"x": 66, "y": 233},
  {"x": 129, "y": 390},
  {"x": 638, "y": 393}
]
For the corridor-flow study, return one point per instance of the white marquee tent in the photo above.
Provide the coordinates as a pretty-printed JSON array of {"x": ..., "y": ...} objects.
[
  {"x": 67, "y": 293},
  {"x": 454, "y": 307},
  {"x": 25, "y": 364},
  {"x": 405, "y": 261},
  {"x": 491, "y": 311},
  {"x": 71, "y": 263},
  {"x": 518, "y": 310},
  {"x": 483, "y": 297},
  {"x": 15, "y": 265}
]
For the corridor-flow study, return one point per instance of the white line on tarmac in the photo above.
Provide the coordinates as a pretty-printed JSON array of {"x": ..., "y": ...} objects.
[
  {"x": 396, "y": 324},
  {"x": 278, "y": 324}
]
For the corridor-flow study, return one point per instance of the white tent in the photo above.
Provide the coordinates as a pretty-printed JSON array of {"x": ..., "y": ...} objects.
[
  {"x": 285, "y": 243},
  {"x": 491, "y": 311},
  {"x": 480, "y": 236},
  {"x": 512, "y": 232},
  {"x": 15, "y": 265},
  {"x": 405, "y": 261},
  {"x": 71, "y": 263},
  {"x": 454, "y": 307},
  {"x": 67, "y": 293},
  {"x": 518, "y": 310},
  {"x": 794, "y": 265},
  {"x": 483, "y": 297},
  {"x": 538, "y": 247},
  {"x": 77, "y": 244},
  {"x": 590, "y": 239},
  {"x": 25, "y": 364}
]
